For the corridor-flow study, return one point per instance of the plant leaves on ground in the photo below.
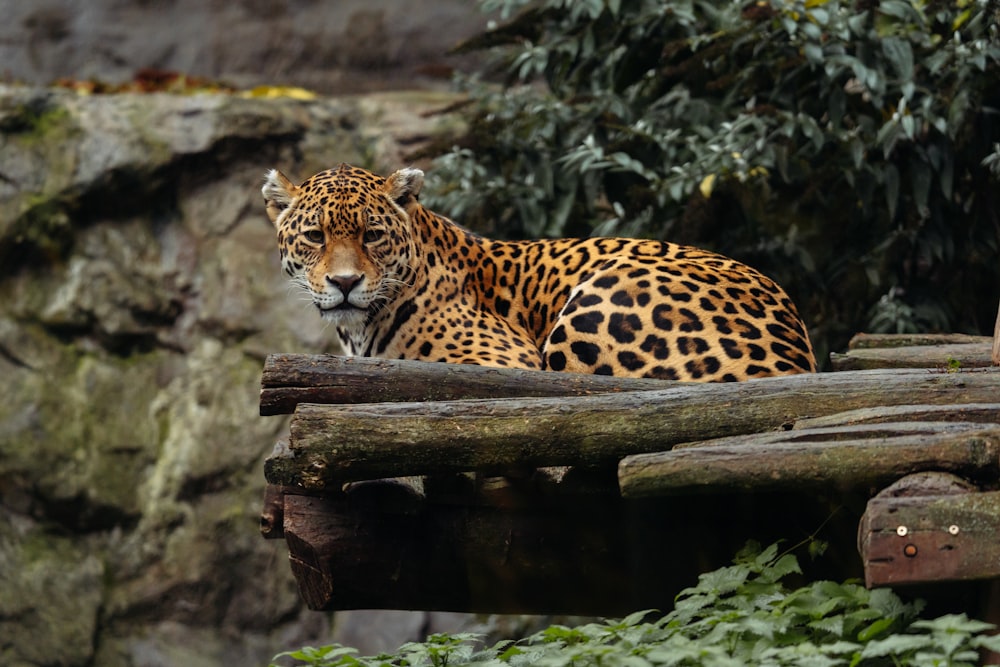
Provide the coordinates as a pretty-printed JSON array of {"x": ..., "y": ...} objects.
[{"x": 743, "y": 614}]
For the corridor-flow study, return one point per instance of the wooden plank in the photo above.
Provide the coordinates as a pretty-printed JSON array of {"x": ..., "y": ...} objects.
[
  {"x": 844, "y": 458},
  {"x": 867, "y": 341},
  {"x": 842, "y": 433},
  {"x": 982, "y": 413},
  {"x": 331, "y": 444},
  {"x": 934, "y": 483},
  {"x": 870, "y": 351},
  {"x": 920, "y": 539},
  {"x": 966, "y": 355},
  {"x": 290, "y": 379}
]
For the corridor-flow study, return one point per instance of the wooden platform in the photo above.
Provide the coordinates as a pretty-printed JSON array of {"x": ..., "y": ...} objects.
[{"x": 408, "y": 485}]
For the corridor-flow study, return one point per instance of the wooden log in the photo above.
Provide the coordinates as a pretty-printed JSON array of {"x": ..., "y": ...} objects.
[
  {"x": 920, "y": 539},
  {"x": 290, "y": 379},
  {"x": 272, "y": 513},
  {"x": 844, "y": 457},
  {"x": 870, "y": 351},
  {"x": 964, "y": 355},
  {"x": 843, "y": 433},
  {"x": 982, "y": 413},
  {"x": 334, "y": 443},
  {"x": 926, "y": 484},
  {"x": 863, "y": 341}
]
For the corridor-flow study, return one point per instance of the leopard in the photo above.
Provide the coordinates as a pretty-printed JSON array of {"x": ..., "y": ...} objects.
[{"x": 399, "y": 281}]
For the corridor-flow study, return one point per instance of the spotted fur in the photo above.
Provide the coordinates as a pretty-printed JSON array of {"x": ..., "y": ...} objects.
[{"x": 400, "y": 281}]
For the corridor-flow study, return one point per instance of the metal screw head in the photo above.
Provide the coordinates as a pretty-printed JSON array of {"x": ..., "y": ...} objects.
[
  {"x": 954, "y": 529},
  {"x": 910, "y": 550},
  {"x": 902, "y": 531}
]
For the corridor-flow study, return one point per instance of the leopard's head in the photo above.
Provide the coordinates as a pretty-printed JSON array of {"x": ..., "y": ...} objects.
[{"x": 345, "y": 235}]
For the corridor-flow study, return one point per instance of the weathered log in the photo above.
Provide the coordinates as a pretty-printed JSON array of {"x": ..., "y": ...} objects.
[
  {"x": 926, "y": 484},
  {"x": 981, "y": 413},
  {"x": 918, "y": 539},
  {"x": 841, "y": 457},
  {"x": 578, "y": 556},
  {"x": 290, "y": 379},
  {"x": 335, "y": 443},
  {"x": 272, "y": 513},
  {"x": 873, "y": 431},
  {"x": 867, "y": 340},
  {"x": 870, "y": 351},
  {"x": 964, "y": 355}
]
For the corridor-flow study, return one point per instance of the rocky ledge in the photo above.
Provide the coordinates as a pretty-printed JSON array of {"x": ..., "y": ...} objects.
[{"x": 139, "y": 294}]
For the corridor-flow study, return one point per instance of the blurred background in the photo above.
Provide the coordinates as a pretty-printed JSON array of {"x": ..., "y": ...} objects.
[{"x": 330, "y": 47}]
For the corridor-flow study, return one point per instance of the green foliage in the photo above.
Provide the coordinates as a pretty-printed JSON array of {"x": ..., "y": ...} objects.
[
  {"x": 849, "y": 149},
  {"x": 738, "y": 615}
]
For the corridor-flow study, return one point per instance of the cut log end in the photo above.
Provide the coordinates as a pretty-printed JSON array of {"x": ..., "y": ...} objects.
[{"x": 913, "y": 538}]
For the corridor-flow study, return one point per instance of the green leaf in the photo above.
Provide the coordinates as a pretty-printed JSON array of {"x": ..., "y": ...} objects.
[
  {"x": 896, "y": 645},
  {"x": 813, "y": 53},
  {"x": 811, "y": 31},
  {"x": 858, "y": 23},
  {"x": 875, "y": 629},
  {"x": 833, "y": 625},
  {"x": 898, "y": 9},
  {"x": 781, "y": 568},
  {"x": 857, "y": 150},
  {"x": 897, "y": 50},
  {"x": 811, "y": 130},
  {"x": 951, "y": 623},
  {"x": 990, "y": 643},
  {"x": 637, "y": 617}
]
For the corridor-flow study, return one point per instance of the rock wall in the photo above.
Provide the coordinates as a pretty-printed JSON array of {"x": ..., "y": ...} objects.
[
  {"x": 347, "y": 45},
  {"x": 139, "y": 293}
]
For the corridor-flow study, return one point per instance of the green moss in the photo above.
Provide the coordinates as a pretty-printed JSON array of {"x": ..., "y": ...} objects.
[
  {"x": 36, "y": 119},
  {"x": 80, "y": 433},
  {"x": 42, "y": 224},
  {"x": 38, "y": 131}
]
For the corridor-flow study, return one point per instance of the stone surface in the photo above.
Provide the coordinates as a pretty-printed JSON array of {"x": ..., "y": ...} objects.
[
  {"x": 343, "y": 46},
  {"x": 139, "y": 293}
]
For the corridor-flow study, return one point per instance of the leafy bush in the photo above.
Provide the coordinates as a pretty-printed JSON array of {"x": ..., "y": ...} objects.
[
  {"x": 735, "y": 616},
  {"x": 849, "y": 149}
]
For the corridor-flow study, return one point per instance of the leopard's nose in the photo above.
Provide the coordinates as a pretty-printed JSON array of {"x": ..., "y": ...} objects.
[{"x": 345, "y": 283}]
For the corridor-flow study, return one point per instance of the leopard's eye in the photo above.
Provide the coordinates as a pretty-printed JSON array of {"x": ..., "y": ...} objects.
[
  {"x": 314, "y": 235},
  {"x": 373, "y": 235}
]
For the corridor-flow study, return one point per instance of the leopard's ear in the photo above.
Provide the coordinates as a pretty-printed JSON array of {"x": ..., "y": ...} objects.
[
  {"x": 278, "y": 194},
  {"x": 403, "y": 187}
]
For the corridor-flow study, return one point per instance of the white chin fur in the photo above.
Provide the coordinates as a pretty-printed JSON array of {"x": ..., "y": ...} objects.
[{"x": 348, "y": 319}]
